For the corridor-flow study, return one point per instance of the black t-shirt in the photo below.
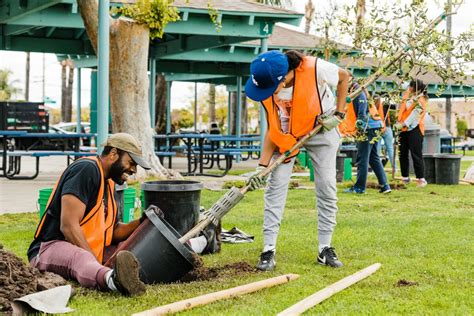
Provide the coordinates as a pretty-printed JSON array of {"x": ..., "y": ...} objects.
[{"x": 81, "y": 179}]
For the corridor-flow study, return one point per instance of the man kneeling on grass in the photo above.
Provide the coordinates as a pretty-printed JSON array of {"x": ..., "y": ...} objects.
[{"x": 81, "y": 221}]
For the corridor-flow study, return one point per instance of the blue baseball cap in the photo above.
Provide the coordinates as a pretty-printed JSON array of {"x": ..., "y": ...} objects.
[{"x": 267, "y": 71}]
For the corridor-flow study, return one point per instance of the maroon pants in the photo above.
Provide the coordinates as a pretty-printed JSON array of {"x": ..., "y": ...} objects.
[{"x": 71, "y": 262}]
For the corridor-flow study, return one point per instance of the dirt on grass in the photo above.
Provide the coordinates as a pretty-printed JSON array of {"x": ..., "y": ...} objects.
[
  {"x": 202, "y": 273},
  {"x": 404, "y": 282},
  {"x": 393, "y": 185},
  {"x": 18, "y": 279}
]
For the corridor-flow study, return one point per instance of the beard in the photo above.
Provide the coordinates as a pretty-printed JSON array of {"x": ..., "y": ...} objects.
[{"x": 116, "y": 172}]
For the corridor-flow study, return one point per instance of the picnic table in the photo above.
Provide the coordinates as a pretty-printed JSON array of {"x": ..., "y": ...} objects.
[
  {"x": 18, "y": 144},
  {"x": 203, "y": 151}
]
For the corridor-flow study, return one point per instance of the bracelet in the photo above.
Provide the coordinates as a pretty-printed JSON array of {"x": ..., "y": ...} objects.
[{"x": 262, "y": 165}]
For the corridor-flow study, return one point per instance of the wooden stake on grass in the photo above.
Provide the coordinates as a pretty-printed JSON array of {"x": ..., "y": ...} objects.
[
  {"x": 329, "y": 291},
  {"x": 212, "y": 297}
]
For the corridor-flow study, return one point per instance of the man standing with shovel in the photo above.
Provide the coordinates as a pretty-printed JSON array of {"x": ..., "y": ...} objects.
[{"x": 295, "y": 91}]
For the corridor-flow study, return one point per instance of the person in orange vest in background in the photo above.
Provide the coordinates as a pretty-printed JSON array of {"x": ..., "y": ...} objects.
[
  {"x": 295, "y": 91},
  {"x": 411, "y": 124},
  {"x": 80, "y": 222},
  {"x": 368, "y": 121},
  {"x": 388, "y": 133}
]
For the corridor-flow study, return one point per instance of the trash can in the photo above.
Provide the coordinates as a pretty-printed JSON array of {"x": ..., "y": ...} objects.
[
  {"x": 302, "y": 158},
  {"x": 447, "y": 168},
  {"x": 128, "y": 205},
  {"x": 340, "y": 160},
  {"x": 178, "y": 199},
  {"x": 43, "y": 199},
  {"x": 347, "y": 169},
  {"x": 429, "y": 161},
  {"x": 431, "y": 141},
  {"x": 311, "y": 171}
]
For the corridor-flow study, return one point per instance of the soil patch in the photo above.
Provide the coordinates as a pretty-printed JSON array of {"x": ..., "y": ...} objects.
[
  {"x": 393, "y": 185},
  {"x": 18, "y": 279},
  {"x": 404, "y": 282},
  {"x": 201, "y": 273}
]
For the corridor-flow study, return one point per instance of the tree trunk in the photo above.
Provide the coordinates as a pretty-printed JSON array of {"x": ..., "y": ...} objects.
[
  {"x": 360, "y": 14},
  {"x": 160, "y": 104},
  {"x": 63, "y": 89},
  {"x": 212, "y": 103},
  {"x": 308, "y": 16},
  {"x": 233, "y": 111},
  {"x": 129, "y": 43},
  {"x": 245, "y": 117},
  {"x": 70, "y": 84},
  {"x": 27, "y": 78}
]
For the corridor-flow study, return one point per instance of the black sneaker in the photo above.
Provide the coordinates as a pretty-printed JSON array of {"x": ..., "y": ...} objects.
[
  {"x": 267, "y": 261},
  {"x": 385, "y": 189},
  {"x": 328, "y": 257},
  {"x": 126, "y": 274},
  {"x": 212, "y": 234}
]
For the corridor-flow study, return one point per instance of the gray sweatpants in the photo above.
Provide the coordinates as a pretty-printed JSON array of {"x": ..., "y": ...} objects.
[{"x": 322, "y": 149}]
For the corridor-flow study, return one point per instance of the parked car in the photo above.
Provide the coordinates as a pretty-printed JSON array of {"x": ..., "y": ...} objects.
[{"x": 70, "y": 128}]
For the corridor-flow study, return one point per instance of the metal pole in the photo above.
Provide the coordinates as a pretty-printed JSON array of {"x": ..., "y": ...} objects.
[
  {"x": 44, "y": 78},
  {"x": 238, "y": 115},
  {"x": 195, "y": 105},
  {"x": 448, "y": 63},
  {"x": 168, "y": 107},
  {"x": 263, "y": 119},
  {"x": 78, "y": 105},
  {"x": 229, "y": 95},
  {"x": 168, "y": 111},
  {"x": 103, "y": 74},
  {"x": 152, "y": 92}
]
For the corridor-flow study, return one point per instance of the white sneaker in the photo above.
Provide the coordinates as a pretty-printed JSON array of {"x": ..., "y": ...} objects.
[{"x": 421, "y": 183}]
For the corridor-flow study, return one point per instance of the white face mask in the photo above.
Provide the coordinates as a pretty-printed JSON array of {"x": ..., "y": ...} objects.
[{"x": 405, "y": 85}]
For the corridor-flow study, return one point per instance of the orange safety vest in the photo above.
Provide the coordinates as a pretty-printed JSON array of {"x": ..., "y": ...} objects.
[
  {"x": 348, "y": 125},
  {"x": 403, "y": 113},
  {"x": 306, "y": 106},
  {"x": 97, "y": 230}
]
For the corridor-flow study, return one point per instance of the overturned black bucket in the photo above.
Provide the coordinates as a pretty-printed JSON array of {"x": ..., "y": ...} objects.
[
  {"x": 448, "y": 168},
  {"x": 178, "y": 199},
  {"x": 155, "y": 243}
]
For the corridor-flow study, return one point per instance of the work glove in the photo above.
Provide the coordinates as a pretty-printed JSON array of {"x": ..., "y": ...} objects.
[
  {"x": 330, "y": 122},
  {"x": 255, "y": 181},
  {"x": 360, "y": 123},
  {"x": 398, "y": 126},
  {"x": 157, "y": 211}
]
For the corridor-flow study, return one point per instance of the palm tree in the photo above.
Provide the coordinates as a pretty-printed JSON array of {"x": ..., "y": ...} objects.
[{"x": 7, "y": 88}]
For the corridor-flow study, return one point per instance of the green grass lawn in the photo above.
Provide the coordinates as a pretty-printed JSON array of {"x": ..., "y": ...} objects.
[{"x": 424, "y": 235}]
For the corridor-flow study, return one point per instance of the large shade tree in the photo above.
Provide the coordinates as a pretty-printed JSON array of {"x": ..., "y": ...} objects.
[{"x": 129, "y": 45}]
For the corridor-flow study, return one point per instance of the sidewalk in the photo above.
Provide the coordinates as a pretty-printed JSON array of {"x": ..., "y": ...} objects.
[{"x": 19, "y": 196}]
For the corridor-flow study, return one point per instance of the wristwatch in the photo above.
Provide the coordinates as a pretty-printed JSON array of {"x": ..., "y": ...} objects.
[{"x": 340, "y": 114}]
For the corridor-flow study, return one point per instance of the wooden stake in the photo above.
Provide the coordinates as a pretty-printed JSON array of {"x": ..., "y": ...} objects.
[
  {"x": 212, "y": 297},
  {"x": 327, "y": 292}
]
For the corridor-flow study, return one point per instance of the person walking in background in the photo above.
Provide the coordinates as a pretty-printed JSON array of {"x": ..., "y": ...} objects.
[
  {"x": 387, "y": 136},
  {"x": 368, "y": 123},
  {"x": 295, "y": 91},
  {"x": 411, "y": 124}
]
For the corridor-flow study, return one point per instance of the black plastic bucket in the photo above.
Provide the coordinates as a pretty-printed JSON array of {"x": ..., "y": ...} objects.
[
  {"x": 429, "y": 161},
  {"x": 178, "y": 199},
  {"x": 447, "y": 168},
  {"x": 163, "y": 259}
]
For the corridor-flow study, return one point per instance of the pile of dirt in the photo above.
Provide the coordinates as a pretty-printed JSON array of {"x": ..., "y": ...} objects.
[
  {"x": 404, "y": 282},
  {"x": 201, "y": 273},
  {"x": 393, "y": 185},
  {"x": 18, "y": 279}
]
